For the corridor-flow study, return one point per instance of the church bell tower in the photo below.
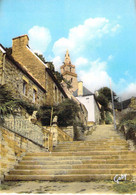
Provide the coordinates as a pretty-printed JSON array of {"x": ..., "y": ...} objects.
[{"x": 68, "y": 72}]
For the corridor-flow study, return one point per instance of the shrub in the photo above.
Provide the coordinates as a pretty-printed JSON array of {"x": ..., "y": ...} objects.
[
  {"x": 66, "y": 112},
  {"x": 108, "y": 119},
  {"x": 128, "y": 120},
  {"x": 9, "y": 105}
]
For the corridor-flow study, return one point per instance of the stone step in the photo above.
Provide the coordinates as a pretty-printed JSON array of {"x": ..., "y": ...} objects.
[
  {"x": 129, "y": 156},
  {"x": 78, "y": 166},
  {"x": 67, "y": 162},
  {"x": 91, "y": 144},
  {"x": 124, "y": 152},
  {"x": 109, "y": 140},
  {"x": 71, "y": 171},
  {"x": 80, "y": 153},
  {"x": 69, "y": 178},
  {"x": 116, "y": 148}
]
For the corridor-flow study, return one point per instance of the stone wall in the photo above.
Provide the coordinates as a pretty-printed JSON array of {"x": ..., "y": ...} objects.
[
  {"x": 58, "y": 135},
  {"x": 22, "y": 54},
  {"x": 15, "y": 78},
  {"x": 53, "y": 96},
  {"x": 69, "y": 131},
  {"x": 26, "y": 57},
  {"x": 12, "y": 148}
]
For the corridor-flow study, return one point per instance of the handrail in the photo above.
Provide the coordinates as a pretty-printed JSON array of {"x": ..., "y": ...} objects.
[{"x": 22, "y": 136}]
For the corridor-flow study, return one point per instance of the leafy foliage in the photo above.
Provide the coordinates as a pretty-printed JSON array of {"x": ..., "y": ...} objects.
[
  {"x": 41, "y": 57},
  {"x": 66, "y": 112},
  {"x": 128, "y": 122},
  {"x": 68, "y": 83},
  {"x": 104, "y": 98},
  {"x": 106, "y": 92},
  {"x": 108, "y": 119},
  {"x": 9, "y": 105},
  {"x": 44, "y": 114},
  {"x": 9, "y": 50}
]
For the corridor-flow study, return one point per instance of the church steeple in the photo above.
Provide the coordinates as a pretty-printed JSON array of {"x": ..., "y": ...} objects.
[
  {"x": 67, "y": 58},
  {"x": 68, "y": 71}
]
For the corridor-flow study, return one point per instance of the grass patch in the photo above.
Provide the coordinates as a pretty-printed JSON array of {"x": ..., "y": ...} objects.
[
  {"x": 125, "y": 187},
  {"x": 4, "y": 187}
]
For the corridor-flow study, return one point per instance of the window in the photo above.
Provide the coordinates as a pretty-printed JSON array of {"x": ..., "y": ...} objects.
[
  {"x": 71, "y": 80},
  {"x": 34, "y": 95},
  {"x": 24, "y": 87},
  {"x": 55, "y": 94},
  {"x": 70, "y": 69}
]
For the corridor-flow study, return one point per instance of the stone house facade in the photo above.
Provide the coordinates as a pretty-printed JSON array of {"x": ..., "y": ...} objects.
[{"x": 27, "y": 76}]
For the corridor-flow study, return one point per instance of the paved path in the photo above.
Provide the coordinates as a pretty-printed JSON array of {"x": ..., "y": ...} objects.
[{"x": 103, "y": 132}]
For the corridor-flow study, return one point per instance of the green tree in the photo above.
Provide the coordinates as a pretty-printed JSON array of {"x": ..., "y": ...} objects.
[
  {"x": 41, "y": 57},
  {"x": 104, "y": 98},
  {"x": 106, "y": 92},
  {"x": 66, "y": 112}
]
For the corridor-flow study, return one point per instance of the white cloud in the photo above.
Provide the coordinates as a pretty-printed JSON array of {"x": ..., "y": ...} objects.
[
  {"x": 39, "y": 38},
  {"x": 57, "y": 61},
  {"x": 96, "y": 77},
  {"x": 80, "y": 36},
  {"x": 81, "y": 62},
  {"x": 129, "y": 91}
]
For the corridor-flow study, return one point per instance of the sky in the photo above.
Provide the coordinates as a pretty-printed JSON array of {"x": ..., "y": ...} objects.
[{"x": 100, "y": 36}]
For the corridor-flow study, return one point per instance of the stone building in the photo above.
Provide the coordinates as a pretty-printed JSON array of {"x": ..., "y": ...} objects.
[
  {"x": 87, "y": 98},
  {"x": 68, "y": 71},
  {"x": 29, "y": 78}
]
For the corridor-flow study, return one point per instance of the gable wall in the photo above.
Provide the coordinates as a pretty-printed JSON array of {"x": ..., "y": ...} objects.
[
  {"x": 23, "y": 55},
  {"x": 14, "y": 79},
  {"x": 88, "y": 101}
]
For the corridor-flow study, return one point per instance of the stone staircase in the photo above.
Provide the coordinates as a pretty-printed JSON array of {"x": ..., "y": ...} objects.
[{"x": 96, "y": 158}]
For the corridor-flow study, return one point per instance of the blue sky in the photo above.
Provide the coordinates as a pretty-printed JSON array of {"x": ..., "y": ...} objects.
[{"x": 100, "y": 36}]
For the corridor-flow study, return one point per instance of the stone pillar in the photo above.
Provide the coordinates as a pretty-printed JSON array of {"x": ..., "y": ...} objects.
[{"x": 54, "y": 131}]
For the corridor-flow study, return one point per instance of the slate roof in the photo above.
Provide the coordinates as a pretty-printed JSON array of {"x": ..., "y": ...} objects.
[{"x": 86, "y": 92}]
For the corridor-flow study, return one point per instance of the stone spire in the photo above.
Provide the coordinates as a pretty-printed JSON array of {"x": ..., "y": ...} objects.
[
  {"x": 68, "y": 71},
  {"x": 67, "y": 58}
]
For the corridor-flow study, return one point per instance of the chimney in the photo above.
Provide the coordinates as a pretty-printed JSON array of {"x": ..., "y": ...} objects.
[
  {"x": 18, "y": 43},
  {"x": 80, "y": 88}
]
